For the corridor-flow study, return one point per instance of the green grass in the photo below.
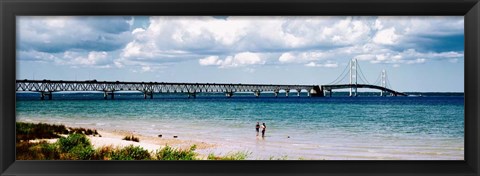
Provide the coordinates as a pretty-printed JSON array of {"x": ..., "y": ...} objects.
[
  {"x": 169, "y": 153},
  {"x": 231, "y": 156}
]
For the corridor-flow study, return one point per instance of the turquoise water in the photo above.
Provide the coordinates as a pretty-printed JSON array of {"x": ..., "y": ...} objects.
[{"x": 419, "y": 128}]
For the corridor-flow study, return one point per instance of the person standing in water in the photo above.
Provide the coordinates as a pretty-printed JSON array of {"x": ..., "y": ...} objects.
[
  {"x": 257, "y": 127},
  {"x": 263, "y": 127}
]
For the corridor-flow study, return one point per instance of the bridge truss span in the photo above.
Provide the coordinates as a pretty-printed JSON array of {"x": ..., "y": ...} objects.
[{"x": 46, "y": 87}]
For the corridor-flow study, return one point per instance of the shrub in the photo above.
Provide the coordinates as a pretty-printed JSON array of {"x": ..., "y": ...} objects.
[
  {"x": 81, "y": 153},
  {"x": 131, "y": 138},
  {"x": 131, "y": 153},
  {"x": 83, "y": 131},
  {"x": 103, "y": 153},
  {"x": 169, "y": 153},
  {"x": 36, "y": 151},
  {"x": 30, "y": 131},
  {"x": 73, "y": 140}
]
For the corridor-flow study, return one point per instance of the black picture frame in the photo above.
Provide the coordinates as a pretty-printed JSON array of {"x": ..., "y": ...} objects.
[{"x": 9, "y": 9}]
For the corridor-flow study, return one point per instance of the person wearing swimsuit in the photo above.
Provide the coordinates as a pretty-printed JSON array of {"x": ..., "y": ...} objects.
[{"x": 263, "y": 129}]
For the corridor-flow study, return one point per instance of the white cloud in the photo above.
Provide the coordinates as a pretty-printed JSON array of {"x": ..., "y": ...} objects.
[
  {"x": 300, "y": 57},
  {"x": 238, "y": 60},
  {"x": 326, "y": 65},
  {"x": 411, "y": 56},
  {"x": 210, "y": 60},
  {"x": 235, "y": 41},
  {"x": 386, "y": 36},
  {"x": 416, "y": 61}
]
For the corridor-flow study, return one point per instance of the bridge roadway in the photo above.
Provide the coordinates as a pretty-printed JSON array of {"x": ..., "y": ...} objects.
[
  {"x": 46, "y": 87},
  {"x": 329, "y": 88}
]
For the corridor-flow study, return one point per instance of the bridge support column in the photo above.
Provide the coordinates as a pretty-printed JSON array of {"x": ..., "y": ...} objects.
[
  {"x": 146, "y": 94},
  {"x": 286, "y": 93},
  {"x": 192, "y": 94},
  {"x": 106, "y": 94},
  {"x": 298, "y": 92},
  {"x": 229, "y": 94},
  {"x": 316, "y": 92},
  {"x": 43, "y": 94},
  {"x": 330, "y": 93},
  {"x": 276, "y": 93},
  {"x": 257, "y": 93},
  {"x": 353, "y": 92}
]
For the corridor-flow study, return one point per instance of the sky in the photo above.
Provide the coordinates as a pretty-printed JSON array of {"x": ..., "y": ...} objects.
[{"x": 419, "y": 53}]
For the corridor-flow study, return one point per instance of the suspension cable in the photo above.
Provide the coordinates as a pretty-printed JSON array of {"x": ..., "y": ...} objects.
[
  {"x": 377, "y": 81},
  {"x": 361, "y": 72},
  {"x": 388, "y": 81},
  {"x": 341, "y": 80},
  {"x": 334, "y": 82}
]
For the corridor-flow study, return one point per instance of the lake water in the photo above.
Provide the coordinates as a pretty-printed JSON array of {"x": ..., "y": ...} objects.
[{"x": 430, "y": 127}]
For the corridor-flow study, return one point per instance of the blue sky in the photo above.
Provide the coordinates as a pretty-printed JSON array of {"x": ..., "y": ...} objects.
[{"x": 418, "y": 53}]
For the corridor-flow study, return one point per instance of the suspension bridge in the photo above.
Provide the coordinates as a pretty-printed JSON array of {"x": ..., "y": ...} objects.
[
  {"x": 47, "y": 87},
  {"x": 355, "y": 74}
]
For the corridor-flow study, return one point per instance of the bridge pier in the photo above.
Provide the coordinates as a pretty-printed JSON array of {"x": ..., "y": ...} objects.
[
  {"x": 229, "y": 94},
  {"x": 276, "y": 93},
  {"x": 107, "y": 93},
  {"x": 298, "y": 92},
  {"x": 257, "y": 93},
  {"x": 286, "y": 93},
  {"x": 146, "y": 94},
  {"x": 329, "y": 92},
  {"x": 192, "y": 94},
  {"x": 316, "y": 92},
  {"x": 43, "y": 94}
]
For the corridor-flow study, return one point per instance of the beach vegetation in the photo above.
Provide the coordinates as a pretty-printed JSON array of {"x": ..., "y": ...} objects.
[
  {"x": 131, "y": 138},
  {"x": 230, "y": 156},
  {"x": 73, "y": 144},
  {"x": 31, "y": 131},
  {"x": 130, "y": 153},
  {"x": 169, "y": 153},
  {"x": 36, "y": 151},
  {"x": 284, "y": 157}
]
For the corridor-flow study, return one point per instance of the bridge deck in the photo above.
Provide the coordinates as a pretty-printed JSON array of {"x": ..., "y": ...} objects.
[
  {"x": 345, "y": 86},
  {"x": 93, "y": 85},
  {"x": 148, "y": 88}
]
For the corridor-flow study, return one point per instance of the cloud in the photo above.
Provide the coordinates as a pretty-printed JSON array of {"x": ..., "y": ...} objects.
[
  {"x": 56, "y": 34},
  {"x": 300, "y": 57},
  {"x": 411, "y": 56},
  {"x": 236, "y": 41},
  {"x": 326, "y": 65},
  {"x": 210, "y": 60},
  {"x": 238, "y": 60},
  {"x": 386, "y": 36}
]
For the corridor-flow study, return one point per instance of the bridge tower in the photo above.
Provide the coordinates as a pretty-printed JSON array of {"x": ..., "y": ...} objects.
[
  {"x": 384, "y": 82},
  {"x": 353, "y": 76}
]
